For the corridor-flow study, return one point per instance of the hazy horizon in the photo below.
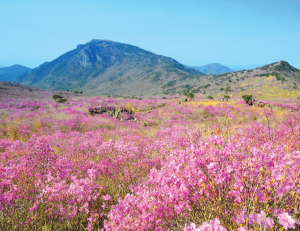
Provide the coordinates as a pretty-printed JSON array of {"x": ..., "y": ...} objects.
[{"x": 193, "y": 32}]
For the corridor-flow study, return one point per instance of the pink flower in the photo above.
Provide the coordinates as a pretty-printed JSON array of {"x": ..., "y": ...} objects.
[
  {"x": 106, "y": 198},
  {"x": 241, "y": 218},
  {"x": 261, "y": 219},
  {"x": 212, "y": 225},
  {"x": 35, "y": 207},
  {"x": 192, "y": 227},
  {"x": 277, "y": 212},
  {"x": 285, "y": 188},
  {"x": 268, "y": 223},
  {"x": 286, "y": 221},
  {"x": 252, "y": 218}
]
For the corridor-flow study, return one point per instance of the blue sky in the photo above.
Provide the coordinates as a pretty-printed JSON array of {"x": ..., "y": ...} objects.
[{"x": 194, "y": 32}]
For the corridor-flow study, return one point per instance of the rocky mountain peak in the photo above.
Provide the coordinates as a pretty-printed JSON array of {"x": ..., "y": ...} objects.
[{"x": 107, "y": 67}]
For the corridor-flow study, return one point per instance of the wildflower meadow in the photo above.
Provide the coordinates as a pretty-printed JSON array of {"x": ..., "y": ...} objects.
[{"x": 199, "y": 165}]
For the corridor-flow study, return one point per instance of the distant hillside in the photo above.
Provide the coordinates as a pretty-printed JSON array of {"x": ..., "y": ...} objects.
[
  {"x": 17, "y": 91},
  {"x": 103, "y": 67},
  {"x": 8, "y": 74},
  {"x": 21, "y": 92},
  {"x": 213, "y": 69},
  {"x": 277, "y": 80}
]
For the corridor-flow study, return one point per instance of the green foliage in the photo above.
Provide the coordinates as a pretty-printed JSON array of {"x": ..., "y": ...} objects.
[
  {"x": 169, "y": 84},
  {"x": 175, "y": 67},
  {"x": 191, "y": 77},
  {"x": 78, "y": 92},
  {"x": 277, "y": 77},
  {"x": 56, "y": 97},
  {"x": 266, "y": 67},
  {"x": 59, "y": 98},
  {"x": 271, "y": 74},
  {"x": 210, "y": 97},
  {"x": 247, "y": 98},
  {"x": 228, "y": 79},
  {"x": 188, "y": 87},
  {"x": 295, "y": 86},
  {"x": 283, "y": 66},
  {"x": 170, "y": 91},
  {"x": 206, "y": 86},
  {"x": 191, "y": 95},
  {"x": 226, "y": 97},
  {"x": 156, "y": 76},
  {"x": 227, "y": 89},
  {"x": 224, "y": 74}
]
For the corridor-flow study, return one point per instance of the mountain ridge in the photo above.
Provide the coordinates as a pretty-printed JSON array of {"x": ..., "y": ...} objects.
[
  {"x": 106, "y": 67},
  {"x": 8, "y": 74},
  {"x": 213, "y": 69}
]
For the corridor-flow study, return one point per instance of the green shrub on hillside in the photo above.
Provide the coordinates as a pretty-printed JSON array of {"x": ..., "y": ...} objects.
[
  {"x": 227, "y": 89},
  {"x": 247, "y": 98},
  {"x": 59, "y": 98},
  {"x": 206, "y": 86},
  {"x": 226, "y": 97}
]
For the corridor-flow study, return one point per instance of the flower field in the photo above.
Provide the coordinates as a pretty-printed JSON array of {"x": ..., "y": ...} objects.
[{"x": 200, "y": 165}]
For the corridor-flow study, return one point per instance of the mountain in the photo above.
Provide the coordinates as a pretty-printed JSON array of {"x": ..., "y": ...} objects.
[
  {"x": 8, "y": 74},
  {"x": 244, "y": 67},
  {"x": 278, "y": 80},
  {"x": 213, "y": 69},
  {"x": 103, "y": 67}
]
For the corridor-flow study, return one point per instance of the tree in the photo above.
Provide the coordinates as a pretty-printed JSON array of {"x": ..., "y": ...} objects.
[
  {"x": 247, "y": 98},
  {"x": 227, "y": 97},
  {"x": 59, "y": 98},
  {"x": 190, "y": 95}
]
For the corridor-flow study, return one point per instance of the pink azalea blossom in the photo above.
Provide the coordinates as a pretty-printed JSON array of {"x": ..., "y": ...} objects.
[
  {"x": 106, "y": 197},
  {"x": 286, "y": 221},
  {"x": 213, "y": 225},
  {"x": 241, "y": 218}
]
